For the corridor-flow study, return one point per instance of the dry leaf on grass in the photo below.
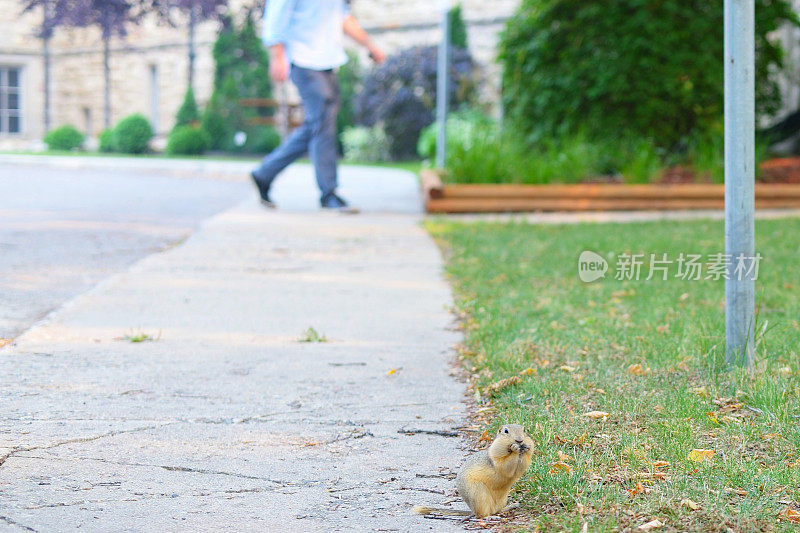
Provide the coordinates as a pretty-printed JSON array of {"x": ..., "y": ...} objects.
[
  {"x": 568, "y": 368},
  {"x": 560, "y": 467},
  {"x": 659, "y": 464},
  {"x": 638, "y": 489},
  {"x": 651, "y": 525},
  {"x": 701, "y": 391},
  {"x": 596, "y": 415},
  {"x": 789, "y": 514},
  {"x": 689, "y": 504},
  {"x": 637, "y": 370},
  {"x": 564, "y": 457},
  {"x": 528, "y": 371},
  {"x": 497, "y": 386},
  {"x": 699, "y": 455}
]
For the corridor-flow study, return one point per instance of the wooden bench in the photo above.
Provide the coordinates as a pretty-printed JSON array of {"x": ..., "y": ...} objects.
[{"x": 285, "y": 116}]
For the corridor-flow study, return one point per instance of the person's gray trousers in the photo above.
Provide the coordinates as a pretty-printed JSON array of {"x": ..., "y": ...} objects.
[{"x": 319, "y": 90}]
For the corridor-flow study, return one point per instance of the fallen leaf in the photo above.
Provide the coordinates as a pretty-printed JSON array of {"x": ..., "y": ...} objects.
[
  {"x": 684, "y": 296},
  {"x": 637, "y": 370},
  {"x": 595, "y": 415},
  {"x": 738, "y": 492},
  {"x": 689, "y": 504},
  {"x": 663, "y": 329},
  {"x": 564, "y": 457},
  {"x": 701, "y": 391},
  {"x": 528, "y": 371},
  {"x": 568, "y": 368},
  {"x": 699, "y": 455},
  {"x": 638, "y": 489},
  {"x": 497, "y": 386},
  {"x": 792, "y": 515},
  {"x": 659, "y": 464},
  {"x": 661, "y": 476},
  {"x": 652, "y": 524},
  {"x": 712, "y": 416},
  {"x": 560, "y": 467},
  {"x": 770, "y": 436}
]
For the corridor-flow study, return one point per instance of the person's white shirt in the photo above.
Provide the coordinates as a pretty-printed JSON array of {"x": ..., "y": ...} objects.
[{"x": 310, "y": 30}]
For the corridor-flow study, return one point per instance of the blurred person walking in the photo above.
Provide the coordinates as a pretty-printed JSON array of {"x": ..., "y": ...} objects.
[{"x": 305, "y": 42}]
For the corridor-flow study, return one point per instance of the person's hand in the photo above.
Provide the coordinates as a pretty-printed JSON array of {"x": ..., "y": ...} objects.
[
  {"x": 278, "y": 64},
  {"x": 376, "y": 54}
]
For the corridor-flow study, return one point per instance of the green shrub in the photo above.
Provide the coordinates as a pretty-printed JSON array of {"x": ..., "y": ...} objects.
[
  {"x": 188, "y": 140},
  {"x": 132, "y": 135},
  {"x": 64, "y": 138},
  {"x": 241, "y": 71},
  {"x": 460, "y": 132},
  {"x": 188, "y": 113},
  {"x": 458, "y": 30},
  {"x": 365, "y": 145},
  {"x": 261, "y": 140},
  {"x": 649, "y": 69},
  {"x": 106, "y": 139},
  {"x": 349, "y": 76}
]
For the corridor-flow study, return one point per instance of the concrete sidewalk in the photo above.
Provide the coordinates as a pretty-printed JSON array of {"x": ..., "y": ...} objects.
[{"x": 226, "y": 422}]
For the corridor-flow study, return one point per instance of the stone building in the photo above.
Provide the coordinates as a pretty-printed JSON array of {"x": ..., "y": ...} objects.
[{"x": 149, "y": 67}]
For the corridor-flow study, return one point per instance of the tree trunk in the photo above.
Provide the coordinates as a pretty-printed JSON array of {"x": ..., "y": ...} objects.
[{"x": 107, "y": 72}]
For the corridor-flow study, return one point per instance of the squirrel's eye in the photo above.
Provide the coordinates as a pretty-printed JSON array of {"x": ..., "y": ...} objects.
[{"x": 505, "y": 430}]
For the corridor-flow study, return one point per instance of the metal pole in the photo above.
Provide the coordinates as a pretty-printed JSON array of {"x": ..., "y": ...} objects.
[
  {"x": 442, "y": 88},
  {"x": 739, "y": 178}
]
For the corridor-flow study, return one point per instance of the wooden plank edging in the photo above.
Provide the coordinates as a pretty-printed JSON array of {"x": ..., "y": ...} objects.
[{"x": 493, "y": 198}]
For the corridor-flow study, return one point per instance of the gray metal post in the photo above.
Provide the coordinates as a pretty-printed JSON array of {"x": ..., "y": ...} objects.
[
  {"x": 739, "y": 177},
  {"x": 441, "y": 88}
]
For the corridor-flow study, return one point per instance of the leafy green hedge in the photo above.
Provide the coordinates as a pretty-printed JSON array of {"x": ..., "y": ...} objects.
[
  {"x": 633, "y": 68},
  {"x": 64, "y": 138}
]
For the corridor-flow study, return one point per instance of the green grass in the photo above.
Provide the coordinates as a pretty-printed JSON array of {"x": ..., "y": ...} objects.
[
  {"x": 312, "y": 335},
  {"x": 523, "y": 307}
]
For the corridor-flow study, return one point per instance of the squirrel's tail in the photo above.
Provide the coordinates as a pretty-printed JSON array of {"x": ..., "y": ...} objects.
[{"x": 420, "y": 509}]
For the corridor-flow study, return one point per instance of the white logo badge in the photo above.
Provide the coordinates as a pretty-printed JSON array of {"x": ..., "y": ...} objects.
[{"x": 591, "y": 266}]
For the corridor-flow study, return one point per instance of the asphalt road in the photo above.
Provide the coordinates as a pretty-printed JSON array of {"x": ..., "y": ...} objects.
[{"x": 64, "y": 230}]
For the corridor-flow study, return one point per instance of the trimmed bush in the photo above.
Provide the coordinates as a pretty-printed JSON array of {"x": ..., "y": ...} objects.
[
  {"x": 132, "y": 135},
  {"x": 188, "y": 140},
  {"x": 365, "y": 145},
  {"x": 400, "y": 95},
  {"x": 64, "y": 138},
  {"x": 106, "y": 140},
  {"x": 633, "y": 67},
  {"x": 188, "y": 113}
]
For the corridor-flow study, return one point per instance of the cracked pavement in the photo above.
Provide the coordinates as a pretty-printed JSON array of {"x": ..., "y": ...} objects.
[{"x": 224, "y": 421}]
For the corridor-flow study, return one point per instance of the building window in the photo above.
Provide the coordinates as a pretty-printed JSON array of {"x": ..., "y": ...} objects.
[{"x": 10, "y": 105}]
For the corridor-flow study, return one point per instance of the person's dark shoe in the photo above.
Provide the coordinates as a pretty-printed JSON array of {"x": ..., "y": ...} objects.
[
  {"x": 333, "y": 202},
  {"x": 263, "y": 192}
]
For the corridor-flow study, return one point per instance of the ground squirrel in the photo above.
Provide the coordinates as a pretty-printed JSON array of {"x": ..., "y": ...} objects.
[{"x": 487, "y": 476}]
